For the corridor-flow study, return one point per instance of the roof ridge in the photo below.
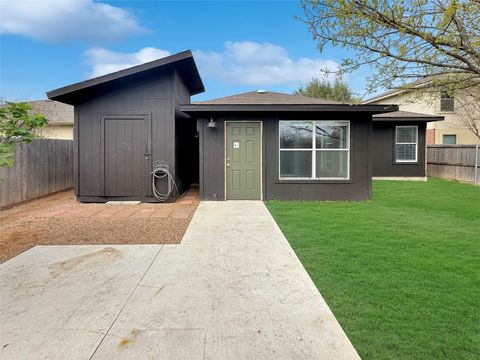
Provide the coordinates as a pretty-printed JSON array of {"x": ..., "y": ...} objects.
[
  {"x": 58, "y": 93},
  {"x": 267, "y": 97}
]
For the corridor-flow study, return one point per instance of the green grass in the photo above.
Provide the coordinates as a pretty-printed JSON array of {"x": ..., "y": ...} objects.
[{"x": 401, "y": 272}]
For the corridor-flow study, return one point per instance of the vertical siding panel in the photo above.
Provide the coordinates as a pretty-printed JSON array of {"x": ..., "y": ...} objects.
[
  {"x": 200, "y": 159},
  {"x": 220, "y": 139},
  {"x": 75, "y": 173},
  {"x": 383, "y": 151},
  {"x": 154, "y": 96}
]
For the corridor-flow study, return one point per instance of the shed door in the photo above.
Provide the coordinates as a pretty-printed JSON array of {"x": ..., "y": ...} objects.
[
  {"x": 243, "y": 160},
  {"x": 126, "y": 158}
]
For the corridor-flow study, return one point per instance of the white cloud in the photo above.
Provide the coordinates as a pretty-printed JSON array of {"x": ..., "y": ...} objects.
[
  {"x": 240, "y": 63},
  {"x": 259, "y": 64},
  {"x": 104, "y": 61},
  {"x": 67, "y": 20}
]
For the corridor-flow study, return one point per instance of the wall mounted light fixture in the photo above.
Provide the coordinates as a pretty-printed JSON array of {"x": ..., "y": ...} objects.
[{"x": 212, "y": 124}]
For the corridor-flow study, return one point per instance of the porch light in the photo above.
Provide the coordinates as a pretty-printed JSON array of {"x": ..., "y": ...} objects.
[{"x": 212, "y": 124}]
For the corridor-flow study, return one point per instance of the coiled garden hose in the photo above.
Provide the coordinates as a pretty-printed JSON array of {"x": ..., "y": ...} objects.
[{"x": 161, "y": 171}]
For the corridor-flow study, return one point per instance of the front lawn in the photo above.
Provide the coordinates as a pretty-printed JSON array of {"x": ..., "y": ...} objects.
[{"x": 401, "y": 272}]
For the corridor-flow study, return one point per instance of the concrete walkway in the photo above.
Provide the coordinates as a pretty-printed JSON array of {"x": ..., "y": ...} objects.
[{"x": 233, "y": 289}]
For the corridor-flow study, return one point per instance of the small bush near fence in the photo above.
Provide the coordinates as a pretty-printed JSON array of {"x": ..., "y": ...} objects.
[
  {"x": 40, "y": 168},
  {"x": 457, "y": 162}
]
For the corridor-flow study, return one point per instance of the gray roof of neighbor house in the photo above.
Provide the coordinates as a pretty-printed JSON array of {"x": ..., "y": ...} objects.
[
  {"x": 268, "y": 101},
  {"x": 406, "y": 116},
  {"x": 414, "y": 84},
  {"x": 382, "y": 95},
  {"x": 56, "y": 112},
  {"x": 183, "y": 62}
]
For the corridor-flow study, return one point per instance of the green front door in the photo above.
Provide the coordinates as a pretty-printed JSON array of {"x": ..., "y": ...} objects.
[{"x": 243, "y": 162}]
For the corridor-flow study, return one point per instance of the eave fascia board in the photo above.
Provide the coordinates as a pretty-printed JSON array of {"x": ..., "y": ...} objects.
[{"x": 206, "y": 108}]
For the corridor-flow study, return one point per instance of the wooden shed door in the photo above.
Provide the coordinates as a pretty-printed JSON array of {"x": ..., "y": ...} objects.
[
  {"x": 126, "y": 158},
  {"x": 243, "y": 160}
]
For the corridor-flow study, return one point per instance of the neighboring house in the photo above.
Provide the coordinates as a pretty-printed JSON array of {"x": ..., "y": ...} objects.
[
  {"x": 257, "y": 145},
  {"x": 450, "y": 131},
  {"x": 60, "y": 118}
]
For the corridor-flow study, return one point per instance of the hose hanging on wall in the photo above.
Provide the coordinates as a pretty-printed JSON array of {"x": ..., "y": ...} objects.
[{"x": 162, "y": 171}]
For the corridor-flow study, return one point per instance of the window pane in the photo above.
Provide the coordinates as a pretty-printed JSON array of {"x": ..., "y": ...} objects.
[
  {"x": 331, "y": 135},
  {"x": 296, "y": 135},
  {"x": 332, "y": 164},
  {"x": 449, "y": 139},
  {"x": 295, "y": 164},
  {"x": 406, "y": 151},
  {"x": 447, "y": 105},
  {"x": 406, "y": 134},
  {"x": 447, "y": 102}
]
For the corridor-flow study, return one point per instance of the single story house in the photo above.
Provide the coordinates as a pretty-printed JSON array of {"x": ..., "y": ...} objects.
[{"x": 257, "y": 145}]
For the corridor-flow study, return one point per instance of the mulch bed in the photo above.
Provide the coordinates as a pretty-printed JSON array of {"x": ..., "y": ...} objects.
[{"x": 60, "y": 220}]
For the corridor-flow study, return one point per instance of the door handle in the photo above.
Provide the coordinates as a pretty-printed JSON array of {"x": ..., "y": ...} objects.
[
  {"x": 228, "y": 164},
  {"x": 147, "y": 153}
]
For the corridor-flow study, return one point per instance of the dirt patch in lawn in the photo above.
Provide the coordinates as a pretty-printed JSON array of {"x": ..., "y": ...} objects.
[{"x": 60, "y": 220}]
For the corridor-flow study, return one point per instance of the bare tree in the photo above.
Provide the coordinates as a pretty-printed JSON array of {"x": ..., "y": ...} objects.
[
  {"x": 467, "y": 107},
  {"x": 432, "y": 43}
]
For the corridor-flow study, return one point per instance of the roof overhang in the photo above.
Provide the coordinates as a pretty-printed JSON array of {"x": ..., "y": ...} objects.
[
  {"x": 199, "y": 109},
  {"x": 427, "y": 118},
  {"x": 396, "y": 92},
  {"x": 183, "y": 62},
  {"x": 383, "y": 96}
]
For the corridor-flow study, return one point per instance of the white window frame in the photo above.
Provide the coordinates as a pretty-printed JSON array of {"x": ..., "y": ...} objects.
[
  {"x": 314, "y": 150},
  {"x": 406, "y": 143}
]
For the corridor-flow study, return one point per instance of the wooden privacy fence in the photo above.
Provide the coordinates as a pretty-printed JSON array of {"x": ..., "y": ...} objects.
[
  {"x": 40, "y": 168},
  {"x": 459, "y": 162}
]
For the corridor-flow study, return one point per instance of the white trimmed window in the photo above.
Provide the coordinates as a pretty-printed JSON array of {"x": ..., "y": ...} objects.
[
  {"x": 314, "y": 150},
  {"x": 406, "y": 143}
]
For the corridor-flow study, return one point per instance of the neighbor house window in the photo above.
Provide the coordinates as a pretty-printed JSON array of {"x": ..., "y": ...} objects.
[
  {"x": 314, "y": 149},
  {"x": 447, "y": 102},
  {"x": 449, "y": 139},
  {"x": 406, "y": 143}
]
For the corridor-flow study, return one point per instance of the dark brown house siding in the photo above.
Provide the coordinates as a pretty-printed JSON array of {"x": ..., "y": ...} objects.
[
  {"x": 384, "y": 164},
  {"x": 211, "y": 160},
  {"x": 186, "y": 141},
  {"x": 155, "y": 97},
  {"x": 358, "y": 187}
]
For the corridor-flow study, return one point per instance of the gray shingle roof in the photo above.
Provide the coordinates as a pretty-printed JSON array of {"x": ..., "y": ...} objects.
[
  {"x": 407, "y": 115},
  {"x": 266, "y": 98},
  {"x": 56, "y": 112},
  {"x": 415, "y": 84}
]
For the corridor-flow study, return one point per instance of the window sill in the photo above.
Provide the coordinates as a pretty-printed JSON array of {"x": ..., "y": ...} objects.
[
  {"x": 314, "y": 181},
  {"x": 447, "y": 112},
  {"x": 406, "y": 163}
]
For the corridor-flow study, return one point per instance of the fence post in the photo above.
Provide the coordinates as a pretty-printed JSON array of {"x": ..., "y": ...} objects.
[{"x": 475, "y": 180}]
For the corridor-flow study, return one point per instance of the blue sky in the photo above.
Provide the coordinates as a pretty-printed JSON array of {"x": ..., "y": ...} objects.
[{"x": 238, "y": 46}]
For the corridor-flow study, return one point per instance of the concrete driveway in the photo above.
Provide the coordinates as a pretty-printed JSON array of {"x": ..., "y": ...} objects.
[{"x": 233, "y": 289}]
